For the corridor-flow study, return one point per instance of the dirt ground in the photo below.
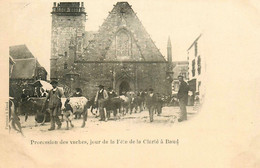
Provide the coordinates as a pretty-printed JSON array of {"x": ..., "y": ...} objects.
[{"x": 135, "y": 122}]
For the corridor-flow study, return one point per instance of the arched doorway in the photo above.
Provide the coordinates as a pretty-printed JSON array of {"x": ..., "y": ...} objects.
[{"x": 124, "y": 87}]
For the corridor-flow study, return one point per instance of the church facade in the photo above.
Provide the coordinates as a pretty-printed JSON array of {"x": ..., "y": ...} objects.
[{"x": 120, "y": 54}]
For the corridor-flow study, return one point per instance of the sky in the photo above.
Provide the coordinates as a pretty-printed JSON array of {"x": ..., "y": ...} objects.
[
  {"x": 31, "y": 23},
  {"x": 229, "y": 28}
]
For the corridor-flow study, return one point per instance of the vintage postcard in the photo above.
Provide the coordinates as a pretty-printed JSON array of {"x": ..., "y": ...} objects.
[{"x": 138, "y": 83}]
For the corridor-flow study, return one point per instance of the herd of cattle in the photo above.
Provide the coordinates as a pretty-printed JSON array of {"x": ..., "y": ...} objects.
[{"x": 117, "y": 105}]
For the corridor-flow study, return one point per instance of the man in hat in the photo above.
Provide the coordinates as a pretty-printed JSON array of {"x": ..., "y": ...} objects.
[
  {"x": 54, "y": 105},
  {"x": 24, "y": 107},
  {"x": 151, "y": 103},
  {"x": 100, "y": 98},
  {"x": 183, "y": 98}
]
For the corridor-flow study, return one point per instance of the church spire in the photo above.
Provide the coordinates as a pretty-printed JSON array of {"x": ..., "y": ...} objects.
[
  {"x": 169, "y": 50},
  {"x": 169, "y": 42}
]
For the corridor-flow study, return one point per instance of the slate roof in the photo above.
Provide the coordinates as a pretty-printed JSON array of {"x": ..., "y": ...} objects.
[
  {"x": 24, "y": 68},
  {"x": 20, "y": 52},
  {"x": 122, "y": 16},
  {"x": 25, "y": 63}
]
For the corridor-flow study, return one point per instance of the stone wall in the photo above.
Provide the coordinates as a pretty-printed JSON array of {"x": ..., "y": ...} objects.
[
  {"x": 140, "y": 76},
  {"x": 104, "y": 60},
  {"x": 66, "y": 31}
]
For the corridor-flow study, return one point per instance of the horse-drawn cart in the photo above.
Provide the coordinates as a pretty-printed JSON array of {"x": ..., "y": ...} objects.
[{"x": 34, "y": 106}]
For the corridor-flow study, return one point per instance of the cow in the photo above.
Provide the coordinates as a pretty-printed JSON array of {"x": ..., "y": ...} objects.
[
  {"x": 79, "y": 106},
  {"x": 143, "y": 95},
  {"x": 137, "y": 102},
  {"x": 113, "y": 104},
  {"x": 158, "y": 104},
  {"x": 131, "y": 101},
  {"x": 126, "y": 103},
  {"x": 68, "y": 113}
]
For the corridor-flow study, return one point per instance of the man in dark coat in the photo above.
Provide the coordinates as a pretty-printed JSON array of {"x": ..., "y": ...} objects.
[
  {"x": 151, "y": 103},
  {"x": 183, "y": 98},
  {"x": 112, "y": 103},
  {"x": 100, "y": 99},
  {"x": 24, "y": 105},
  {"x": 54, "y": 105}
]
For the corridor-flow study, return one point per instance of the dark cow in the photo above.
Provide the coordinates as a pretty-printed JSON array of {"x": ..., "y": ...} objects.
[
  {"x": 159, "y": 104},
  {"x": 143, "y": 99},
  {"x": 137, "y": 103},
  {"x": 113, "y": 104}
]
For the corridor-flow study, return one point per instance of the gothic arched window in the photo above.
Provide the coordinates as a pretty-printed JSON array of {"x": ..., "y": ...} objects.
[{"x": 122, "y": 44}]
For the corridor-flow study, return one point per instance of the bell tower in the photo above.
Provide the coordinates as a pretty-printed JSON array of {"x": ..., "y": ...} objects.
[{"x": 68, "y": 27}]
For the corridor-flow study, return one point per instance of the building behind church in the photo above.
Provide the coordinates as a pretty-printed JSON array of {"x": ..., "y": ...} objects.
[
  {"x": 24, "y": 69},
  {"x": 121, "y": 54},
  {"x": 179, "y": 68},
  {"x": 197, "y": 68}
]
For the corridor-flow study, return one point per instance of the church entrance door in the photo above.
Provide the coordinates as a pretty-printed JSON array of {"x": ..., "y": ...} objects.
[{"x": 124, "y": 87}]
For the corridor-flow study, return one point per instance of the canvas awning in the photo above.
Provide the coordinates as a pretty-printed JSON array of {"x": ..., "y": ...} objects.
[{"x": 41, "y": 83}]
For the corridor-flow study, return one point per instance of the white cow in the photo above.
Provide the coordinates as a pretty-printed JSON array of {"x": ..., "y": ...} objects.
[
  {"x": 79, "y": 106},
  {"x": 126, "y": 103}
]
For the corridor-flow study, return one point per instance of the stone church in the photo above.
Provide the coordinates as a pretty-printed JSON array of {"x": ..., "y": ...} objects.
[{"x": 120, "y": 54}]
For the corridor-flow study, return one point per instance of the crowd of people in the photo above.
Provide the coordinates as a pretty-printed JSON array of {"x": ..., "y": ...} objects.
[
  {"x": 107, "y": 101},
  {"x": 130, "y": 101}
]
